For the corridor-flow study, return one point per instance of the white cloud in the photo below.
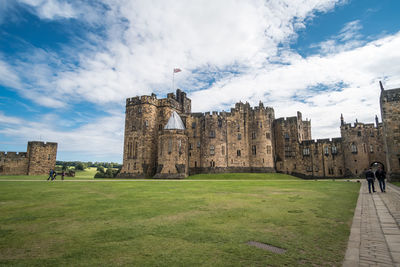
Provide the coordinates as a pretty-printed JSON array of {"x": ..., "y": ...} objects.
[
  {"x": 235, "y": 42},
  {"x": 50, "y": 9},
  {"x": 101, "y": 138},
  {"x": 287, "y": 88}
]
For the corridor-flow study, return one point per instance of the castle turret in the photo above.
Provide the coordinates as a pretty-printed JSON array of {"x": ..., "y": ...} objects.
[
  {"x": 173, "y": 150},
  {"x": 41, "y": 157}
]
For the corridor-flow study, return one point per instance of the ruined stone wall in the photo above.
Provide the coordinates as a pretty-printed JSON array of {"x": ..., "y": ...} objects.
[
  {"x": 13, "y": 163},
  {"x": 390, "y": 111},
  {"x": 41, "y": 157},
  {"x": 172, "y": 155}
]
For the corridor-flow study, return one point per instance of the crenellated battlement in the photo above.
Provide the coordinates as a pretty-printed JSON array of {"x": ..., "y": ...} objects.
[
  {"x": 12, "y": 155},
  {"x": 392, "y": 95},
  {"x": 40, "y": 143},
  {"x": 144, "y": 99}
]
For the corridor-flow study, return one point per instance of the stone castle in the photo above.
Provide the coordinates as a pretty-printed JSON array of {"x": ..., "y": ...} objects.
[
  {"x": 38, "y": 160},
  {"x": 164, "y": 139}
]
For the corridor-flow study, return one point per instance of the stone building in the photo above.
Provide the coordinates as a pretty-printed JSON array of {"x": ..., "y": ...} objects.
[
  {"x": 250, "y": 139},
  {"x": 39, "y": 159},
  {"x": 390, "y": 111}
]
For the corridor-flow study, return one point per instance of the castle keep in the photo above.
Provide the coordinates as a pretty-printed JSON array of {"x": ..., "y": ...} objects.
[
  {"x": 164, "y": 139},
  {"x": 39, "y": 159}
]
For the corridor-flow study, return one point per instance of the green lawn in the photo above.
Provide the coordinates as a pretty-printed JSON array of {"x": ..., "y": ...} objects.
[
  {"x": 396, "y": 183},
  {"x": 170, "y": 223},
  {"x": 242, "y": 176}
]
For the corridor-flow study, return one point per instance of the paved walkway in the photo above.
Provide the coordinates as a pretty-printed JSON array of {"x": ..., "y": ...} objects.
[{"x": 375, "y": 232}]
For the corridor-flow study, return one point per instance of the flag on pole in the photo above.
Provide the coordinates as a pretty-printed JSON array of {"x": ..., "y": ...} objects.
[{"x": 177, "y": 70}]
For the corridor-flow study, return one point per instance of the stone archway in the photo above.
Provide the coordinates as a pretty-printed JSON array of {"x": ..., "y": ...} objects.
[{"x": 374, "y": 165}]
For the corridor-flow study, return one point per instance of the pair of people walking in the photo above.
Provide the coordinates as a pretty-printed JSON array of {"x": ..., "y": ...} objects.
[{"x": 380, "y": 174}]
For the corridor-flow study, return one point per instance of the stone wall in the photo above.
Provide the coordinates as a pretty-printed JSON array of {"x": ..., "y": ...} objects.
[
  {"x": 38, "y": 160},
  {"x": 390, "y": 110},
  {"x": 42, "y": 157},
  {"x": 172, "y": 155},
  {"x": 13, "y": 163},
  {"x": 363, "y": 145}
]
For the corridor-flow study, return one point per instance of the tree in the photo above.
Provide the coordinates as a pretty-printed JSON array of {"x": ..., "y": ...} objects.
[{"x": 79, "y": 166}]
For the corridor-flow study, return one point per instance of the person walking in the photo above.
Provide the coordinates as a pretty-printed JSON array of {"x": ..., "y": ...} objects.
[
  {"x": 380, "y": 174},
  {"x": 54, "y": 176},
  {"x": 370, "y": 176},
  {"x": 62, "y": 175},
  {"x": 50, "y": 175}
]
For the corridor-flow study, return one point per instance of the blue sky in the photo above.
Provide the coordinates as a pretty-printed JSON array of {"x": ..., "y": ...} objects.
[{"x": 66, "y": 67}]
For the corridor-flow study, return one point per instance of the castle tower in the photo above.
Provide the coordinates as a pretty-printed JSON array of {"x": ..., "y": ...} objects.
[
  {"x": 173, "y": 150},
  {"x": 390, "y": 111},
  {"x": 140, "y": 142},
  {"x": 41, "y": 157}
]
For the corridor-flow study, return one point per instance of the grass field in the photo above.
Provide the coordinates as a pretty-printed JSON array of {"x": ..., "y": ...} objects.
[
  {"x": 79, "y": 175},
  {"x": 170, "y": 223},
  {"x": 396, "y": 183}
]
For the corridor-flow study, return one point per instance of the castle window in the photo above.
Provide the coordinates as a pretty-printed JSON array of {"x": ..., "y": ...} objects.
[
  {"x": 212, "y": 164},
  {"x": 49, "y": 157},
  {"x": 334, "y": 150},
  {"x": 195, "y": 164},
  {"x": 139, "y": 110},
  {"x": 146, "y": 123},
  {"x": 194, "y": 125},
  {"x": 269, "y": 149},
  {"x": 135, "y": 150},
  {"x": 219, "y": 123},
  {"x": 133, "y": 127},
  {"x": 253, "y": 135},
  {"x": 260, "y": 124},
  {"x": 134, "y": 165},
  {"x": 306, "y": 151},
  {"x": 169, "y": 146},
  {"x": 239, "y": 136},
  {"x": 190, "y": 154},
  {"x": 212, "y": 133},
  {"x": 286, "y": 136},
  {"x": 340, "y": 171},
  {"x": 212, "y": 150},
  {"x": 180, "y": 146},
  {"x": 268, "y": 135},
  {"x": 198, "y": 144},
  {"x": 129, "y": 166},
  {"x": 194, "y": 134},
  {"x": 190, "y": 146},
  {"x": 238, "y": 127},
  {"x": 354, "y": 148},
  {"x": 359, "y": 133},
  {"x": 238, "y": 153},
  {"x": 223, "y": 150},
  {"x": 254, "y": 150},
  {"x": 294, "y": 166},
  {"x": 160, "y": 127},
  {"x": 326, "y": 151},
  {"x": 372, "y": 134}
]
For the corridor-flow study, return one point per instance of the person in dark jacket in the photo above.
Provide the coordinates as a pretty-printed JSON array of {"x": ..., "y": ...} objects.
[
  {"x": 380, "y": 174},
  {"x": 370, "y": 176},
  {"x": 50, "y": 175}
]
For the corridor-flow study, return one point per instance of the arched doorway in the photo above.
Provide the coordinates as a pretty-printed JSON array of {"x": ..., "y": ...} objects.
[{"x": 376, "y": 164}]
